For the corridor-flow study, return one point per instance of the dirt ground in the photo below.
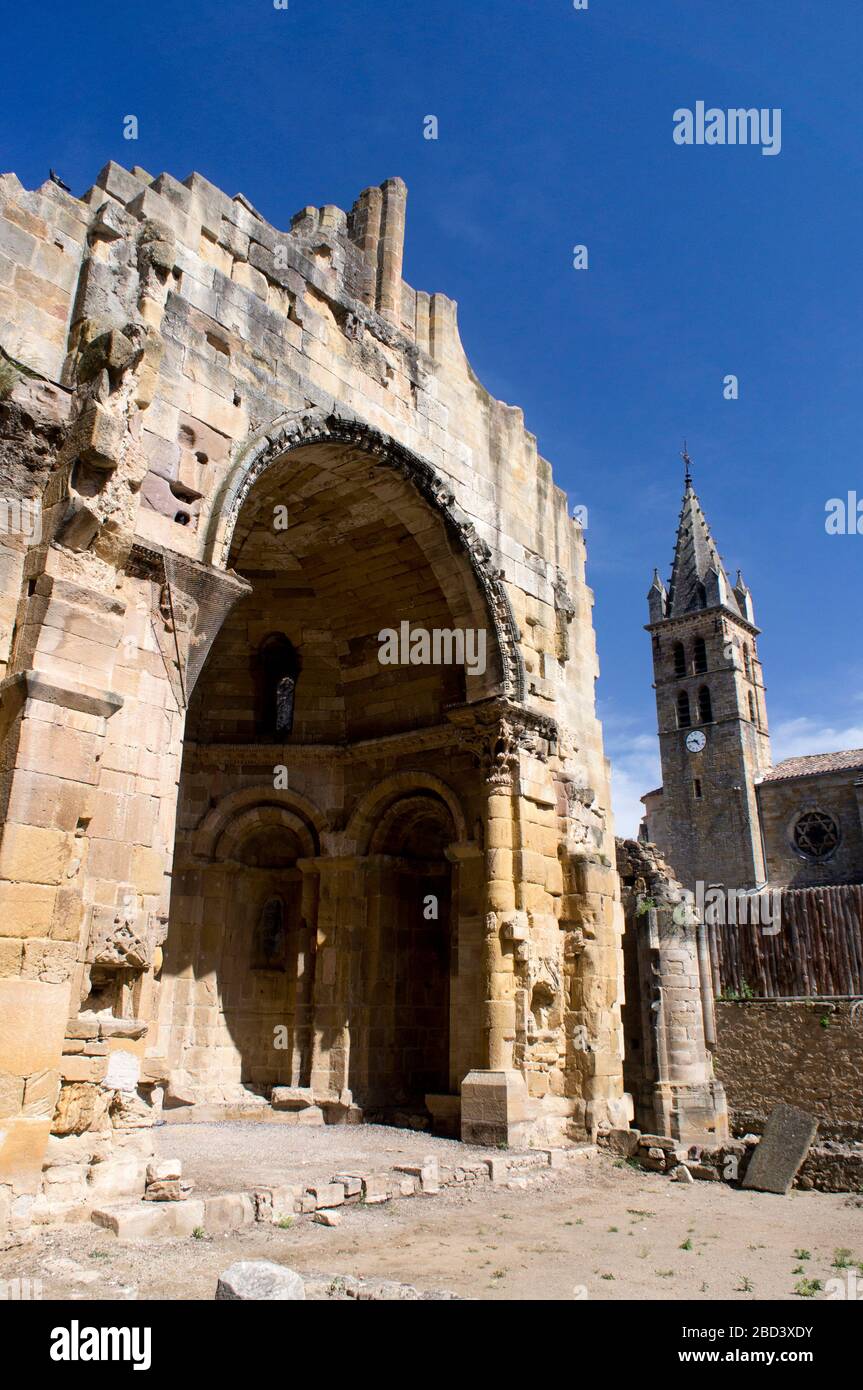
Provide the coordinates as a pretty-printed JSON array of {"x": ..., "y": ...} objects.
[{"x": 598, "y": 1229}]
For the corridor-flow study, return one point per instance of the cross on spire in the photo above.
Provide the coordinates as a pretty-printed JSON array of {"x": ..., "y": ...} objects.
[{"x": 687, "y": 464}]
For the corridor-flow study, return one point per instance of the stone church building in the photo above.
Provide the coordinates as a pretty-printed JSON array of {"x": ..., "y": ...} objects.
[
  {"x": 725, "y": 814},
  {"x": 242, "y": 853}
]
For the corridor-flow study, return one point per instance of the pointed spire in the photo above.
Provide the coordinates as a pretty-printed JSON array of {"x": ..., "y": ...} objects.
[
  {"x": 657, "y": 598},
  {"x": 744, "y": 597},
  {"x": 698, "y": 578}
]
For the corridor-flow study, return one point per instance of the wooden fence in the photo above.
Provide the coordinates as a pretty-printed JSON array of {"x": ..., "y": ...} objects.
[{"x": 817, "y": 951}]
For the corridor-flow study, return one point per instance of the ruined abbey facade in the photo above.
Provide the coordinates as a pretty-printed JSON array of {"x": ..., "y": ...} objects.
[{"x": 240, "y": 852}]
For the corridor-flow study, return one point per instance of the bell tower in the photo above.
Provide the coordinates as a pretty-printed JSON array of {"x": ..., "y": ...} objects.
[{"x": 711, "y": 713}]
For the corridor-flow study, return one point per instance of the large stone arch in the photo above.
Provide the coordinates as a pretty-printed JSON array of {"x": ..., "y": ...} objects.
[{"x": 297, "y": 430}]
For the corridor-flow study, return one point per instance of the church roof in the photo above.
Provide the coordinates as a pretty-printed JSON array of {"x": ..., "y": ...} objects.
[
  {"x": 696, "y": 562},
  {"x": 811, "y": 764}
]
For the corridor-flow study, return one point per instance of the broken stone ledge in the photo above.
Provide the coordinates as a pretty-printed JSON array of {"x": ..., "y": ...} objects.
[{"x": 231, "y": 1211}]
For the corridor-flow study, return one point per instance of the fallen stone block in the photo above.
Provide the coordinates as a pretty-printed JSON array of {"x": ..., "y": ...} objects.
[
  {"x": 623, "y": 1142},
  {"x": 703, "y": 1171},
  {"x": 376, "y": 1188},
  {"x": 328, "y": 1218},
  {"x": 658, "y": 1141},
  {"x": 164, "y": 1169},
  {"x": 260, "y": 1280},
  {"x": 682, "y": 1174},
  {"x": 330, "y": 1194},
  {"x": 352, "y": 1184},
  {"x": 787, "y": 1138},
  {"x": 498, "y": 1169},
  {"x": 427, "y": 1173},
  {"x": 167, "y": 1190},
  {"x": 555, "y": 1158},
  {"x": 287, "y": 1199},
  {"x": 140, "y": 1220},
  {"x": 229, "y": 1211},
  {"x": 292, "y": 1098},
  {"x": 118, "y": 1177}
]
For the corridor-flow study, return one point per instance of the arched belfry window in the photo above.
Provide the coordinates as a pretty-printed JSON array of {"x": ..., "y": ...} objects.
[
  {"x": 269, "y": 943},
  {"x": 747, "y": 662},
  {"x": 684, "y": 719},
  {"x": 276, "y": 667},
  {"x": 700, "y": 653},
  {"x": 705, "y": 706},
  {"x": 679, "y": 659}
]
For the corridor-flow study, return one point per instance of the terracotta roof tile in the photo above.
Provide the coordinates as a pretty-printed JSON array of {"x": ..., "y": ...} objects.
[{"x": 812, "y": 764}]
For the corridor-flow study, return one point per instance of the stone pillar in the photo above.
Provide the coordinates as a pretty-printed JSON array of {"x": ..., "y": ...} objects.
[
  {"x": 305, "y": 1022},
  {"x": 467, "y": 1042},
  {"x": 677, "y": 1094},
  {"x": 494, "y": 1099},
  {"x": 364, "y": 225},
  {"x": 341, "y": 910},
  {"x": 391, "y": 250}
]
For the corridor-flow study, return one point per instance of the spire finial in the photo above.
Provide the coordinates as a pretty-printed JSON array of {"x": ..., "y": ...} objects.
[{"x": 687, "y": 461}]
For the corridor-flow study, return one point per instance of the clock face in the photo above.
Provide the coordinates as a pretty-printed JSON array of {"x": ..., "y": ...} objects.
[{"x": 695, "y": 741}]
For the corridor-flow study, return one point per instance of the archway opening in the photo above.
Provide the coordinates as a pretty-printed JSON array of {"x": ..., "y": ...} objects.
[
  {"x": 296, "y": 718},
  {"x": 401, "y": 1035}
]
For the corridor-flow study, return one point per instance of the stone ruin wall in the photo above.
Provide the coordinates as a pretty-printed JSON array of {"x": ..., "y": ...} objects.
[{"x": 157, "y": 339}]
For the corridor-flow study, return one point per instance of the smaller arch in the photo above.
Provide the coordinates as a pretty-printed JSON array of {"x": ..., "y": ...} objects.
[
  {"x": 752, "y": 711},
  {"x": 379, "y": 798},
  {"x": 232, "y": 808},
  {"x": 705, "y": 706},
  {"x": 747, "y": 661},
  {"x": 684, "y": 717},
  {"x": 258, "y": 821},
  {"x": 409, "y": 819},
  {"x": 679, "y": 659},
  {"x": 699, "y": 654}
]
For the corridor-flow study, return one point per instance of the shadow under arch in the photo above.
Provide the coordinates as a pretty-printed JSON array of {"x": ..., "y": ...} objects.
[{"x": 302, "y": 429}]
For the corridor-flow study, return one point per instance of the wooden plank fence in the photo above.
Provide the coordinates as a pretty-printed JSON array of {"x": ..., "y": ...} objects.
[{"x": 818, "y": 950}]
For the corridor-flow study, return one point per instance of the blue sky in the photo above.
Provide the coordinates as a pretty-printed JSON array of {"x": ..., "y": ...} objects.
[{"x": 555, "y": 129}]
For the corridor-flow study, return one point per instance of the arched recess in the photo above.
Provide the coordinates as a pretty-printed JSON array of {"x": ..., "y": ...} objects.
[
  {"x": 246, "y": 807},
  {"x": 405, "y": 1013},
  {"x": 237, "y": 1006},
  {"x": 380, "y": 798},
  {"x": 287, "y": 439}
]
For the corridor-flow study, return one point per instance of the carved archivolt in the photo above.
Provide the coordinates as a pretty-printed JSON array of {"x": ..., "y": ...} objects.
[{"x": 303, "y": 428}]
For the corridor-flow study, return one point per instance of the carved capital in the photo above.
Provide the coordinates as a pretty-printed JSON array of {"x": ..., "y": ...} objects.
[{"x": 497, "y": 732}]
